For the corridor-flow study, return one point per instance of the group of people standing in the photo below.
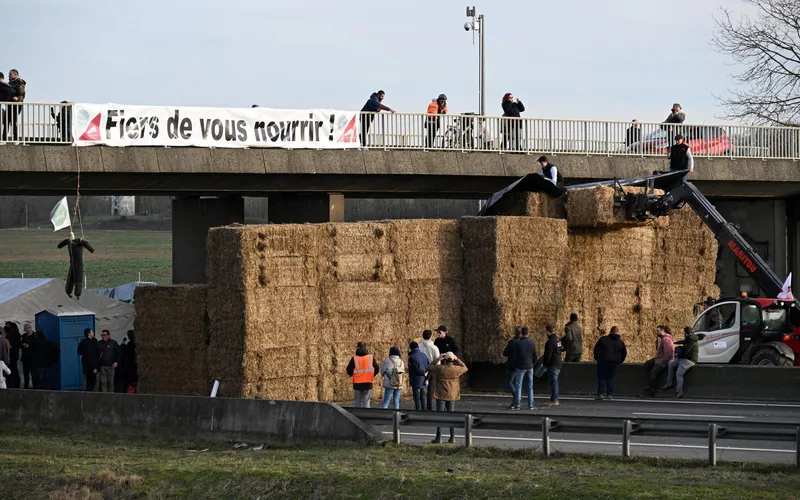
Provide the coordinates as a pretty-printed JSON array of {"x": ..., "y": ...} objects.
[
  {"x": 434, "y": 371},
  {"x": 33, "y": 350},
  {"x": 106, "y": 362}
]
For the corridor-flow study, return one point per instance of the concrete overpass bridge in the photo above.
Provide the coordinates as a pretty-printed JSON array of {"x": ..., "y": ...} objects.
[{"x": 312, "y": 185}]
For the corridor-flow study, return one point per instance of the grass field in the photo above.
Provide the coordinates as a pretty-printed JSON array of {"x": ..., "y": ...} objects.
[
  {"x": 119, "y": 256},
  {"x": 87, "y": 465}
]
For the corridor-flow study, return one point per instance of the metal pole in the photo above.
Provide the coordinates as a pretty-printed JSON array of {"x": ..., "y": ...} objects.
[
  {"x": 396, "y": 427},
  {"x": 626, "y": 438},
  {"x": 481, "y": 67},
  {"x": 546, "y": 436},
  {"x": 712, "y": 444},
  {"x": 467, "y": 431}
]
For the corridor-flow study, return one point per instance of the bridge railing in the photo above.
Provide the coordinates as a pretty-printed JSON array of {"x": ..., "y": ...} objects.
[
  {"x": 50, "y": 123},
  {"x": 586, "y": 137}
]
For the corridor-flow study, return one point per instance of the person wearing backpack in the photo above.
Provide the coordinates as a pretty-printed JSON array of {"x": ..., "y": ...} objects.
[{"x": 393, "y": 371}]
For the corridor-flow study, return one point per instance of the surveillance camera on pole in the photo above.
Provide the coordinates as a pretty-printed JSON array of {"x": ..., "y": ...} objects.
[{"x": 476, "y": 26}]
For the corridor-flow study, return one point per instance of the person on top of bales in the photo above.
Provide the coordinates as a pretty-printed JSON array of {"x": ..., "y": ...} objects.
[
  {"x": 551, "y": 172},
  {"x": 363, "y": 369}
]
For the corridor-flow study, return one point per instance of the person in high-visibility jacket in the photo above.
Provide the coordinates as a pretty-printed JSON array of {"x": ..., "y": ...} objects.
[
  {"x": 363, "y": 369},
  {"x": 437, "y": 107}
]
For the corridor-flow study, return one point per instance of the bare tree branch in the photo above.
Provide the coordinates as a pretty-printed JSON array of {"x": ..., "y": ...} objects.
[{"x": 768, "y": 47}]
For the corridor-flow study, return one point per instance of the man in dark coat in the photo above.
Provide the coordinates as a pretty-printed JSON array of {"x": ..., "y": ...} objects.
[
  {"x": 685, "y": 358},
  {"x": 552, "y": 361},
  {"x": 444, "y": 342},
  {"x": 609, "y": 352},
  {"x": 89, "y": 352},
  {"x": 524, "y": 359},
  {"x": 373, "y": 105},
  {"x": 511, "y": 368},
  {"x": 15, "y": 342},
  {"x": 573, "y": 340}
]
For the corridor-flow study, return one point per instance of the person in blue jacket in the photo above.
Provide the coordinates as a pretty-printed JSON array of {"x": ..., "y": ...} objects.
[
  {"x": 373, "y": 105},
  {"x": 418, "y": 371}
]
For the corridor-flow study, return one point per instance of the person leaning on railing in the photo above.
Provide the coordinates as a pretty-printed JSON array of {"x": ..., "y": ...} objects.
[
  {"x": 436, "y": 107},
  {"x": 673, "y": 122},
  {"x": 373, "y": 105}
]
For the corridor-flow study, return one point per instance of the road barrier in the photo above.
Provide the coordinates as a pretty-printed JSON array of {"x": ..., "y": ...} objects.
[
  {"x": 767, "y": 430},
  {"x": 740, "y": 382},
  {"x": 276, "y": 422}
]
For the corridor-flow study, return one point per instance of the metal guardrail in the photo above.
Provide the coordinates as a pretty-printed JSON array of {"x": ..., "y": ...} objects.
[
  {"x": 35, "y": 123},
  {"x": 628, "y": 427}
]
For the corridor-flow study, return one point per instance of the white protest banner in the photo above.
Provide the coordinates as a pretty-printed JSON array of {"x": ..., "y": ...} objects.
[
  {"x": 120, "y": 125},
  {"x": 59, "y": 216}
]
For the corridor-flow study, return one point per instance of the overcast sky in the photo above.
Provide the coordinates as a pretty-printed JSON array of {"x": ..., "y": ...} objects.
[{"x": 575, "y": 59}]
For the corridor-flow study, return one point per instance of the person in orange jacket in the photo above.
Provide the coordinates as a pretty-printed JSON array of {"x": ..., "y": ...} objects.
[{"x": 437, "y": 107}]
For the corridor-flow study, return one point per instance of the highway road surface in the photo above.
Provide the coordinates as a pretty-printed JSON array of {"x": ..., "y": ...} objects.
[{"x": 731, "y": 450}]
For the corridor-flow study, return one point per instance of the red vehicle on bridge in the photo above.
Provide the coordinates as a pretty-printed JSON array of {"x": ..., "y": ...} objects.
[{"x": 703, "y": 140}]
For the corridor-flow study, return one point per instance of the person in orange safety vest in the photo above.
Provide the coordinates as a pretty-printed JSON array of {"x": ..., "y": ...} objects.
[
  {"x": 437, "y": 107},
  {"x": 363, "y": 369}
]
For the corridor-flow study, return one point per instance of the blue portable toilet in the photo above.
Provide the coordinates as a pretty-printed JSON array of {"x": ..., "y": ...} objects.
[{"x": 64, "y": 327}]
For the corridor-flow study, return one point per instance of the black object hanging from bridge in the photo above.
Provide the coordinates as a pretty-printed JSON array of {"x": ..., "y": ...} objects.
[{"x": 75, "y": 275}]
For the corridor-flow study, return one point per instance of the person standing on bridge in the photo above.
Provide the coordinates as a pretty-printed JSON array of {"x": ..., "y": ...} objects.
[
  {"x": 18, "y": 84},
  {"x": 6, "y": 94},
  {"x": 680, "y": 157},
  {"x": 551, "y": 172},
  {"x": 609, "y": 352},
  {"x": 633, "y": 135},
  {"x": 448, "y": 369},
  {"x": 372, "y": 106},
  {"x": 511, "y": 367},
  {"x": 552, "y": 361},
  {"x": 685, "y": 359},
  {"x": 363, "y": 369},
  {"x": 665, "y": 352},
  {"x": 573, "y": 340},
  {"x": 437, "y": 107},
  {"x": 512, "y": 127},
  {"x": 673, "y": 122}
]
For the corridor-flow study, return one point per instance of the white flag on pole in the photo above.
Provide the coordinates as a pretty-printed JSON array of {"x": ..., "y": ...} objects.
[
  {"x": 59, "y": 216},
  {"x": 786, "y": 291}
]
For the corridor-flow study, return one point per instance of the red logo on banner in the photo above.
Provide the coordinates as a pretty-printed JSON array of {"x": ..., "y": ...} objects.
[
  {"x": 350, "y": 135},
  {"x": 92, "y": 132}
]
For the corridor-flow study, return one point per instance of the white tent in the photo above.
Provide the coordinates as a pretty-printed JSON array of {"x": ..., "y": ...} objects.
[{"x": 22, "y": 298}]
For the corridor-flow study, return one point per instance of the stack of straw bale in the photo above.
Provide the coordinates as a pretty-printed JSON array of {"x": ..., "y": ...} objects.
[
  {"x": 530, "y": 205},
  {"x": 594, "y": 207},
  {"x": 171, "y": 339},
  {"x": 638, "y": 278},
  {"x": 514, "y": 273}
]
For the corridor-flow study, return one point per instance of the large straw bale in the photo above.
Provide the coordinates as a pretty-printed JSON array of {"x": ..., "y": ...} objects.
[
  {"x": 530, "y": 205},
  {"x": 429, "y": 264},
  {"x": 538, "y": 233},
  {"x": 225, "y": 264},
  {"x": 347, "y": 238},
  {"x": 424, "y": 234},
  {"x": 595, "y": 207},
  {"x": 351, "y": 328},
  {"x": 177, "y": 370},
  {"x": 285, "y": 389},
  {"x": 226, "y": 364},
  {"x": 279, "y": 317},
  {"x": 359, "y": 268},
  {"x": 171, "y": 315},
  {"x": 281, "y": 362},
  {"x": 360, "y": 298}
]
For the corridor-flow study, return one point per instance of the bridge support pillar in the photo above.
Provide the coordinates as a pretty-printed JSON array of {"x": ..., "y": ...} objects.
[
  {"x": 191, "y": 219},
  {"x": 300, "y": 208}
]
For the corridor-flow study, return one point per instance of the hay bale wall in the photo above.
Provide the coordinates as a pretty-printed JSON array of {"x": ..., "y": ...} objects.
[
  {"x": 288, "y": 303},
  {"x": 171, "y": 339}
]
